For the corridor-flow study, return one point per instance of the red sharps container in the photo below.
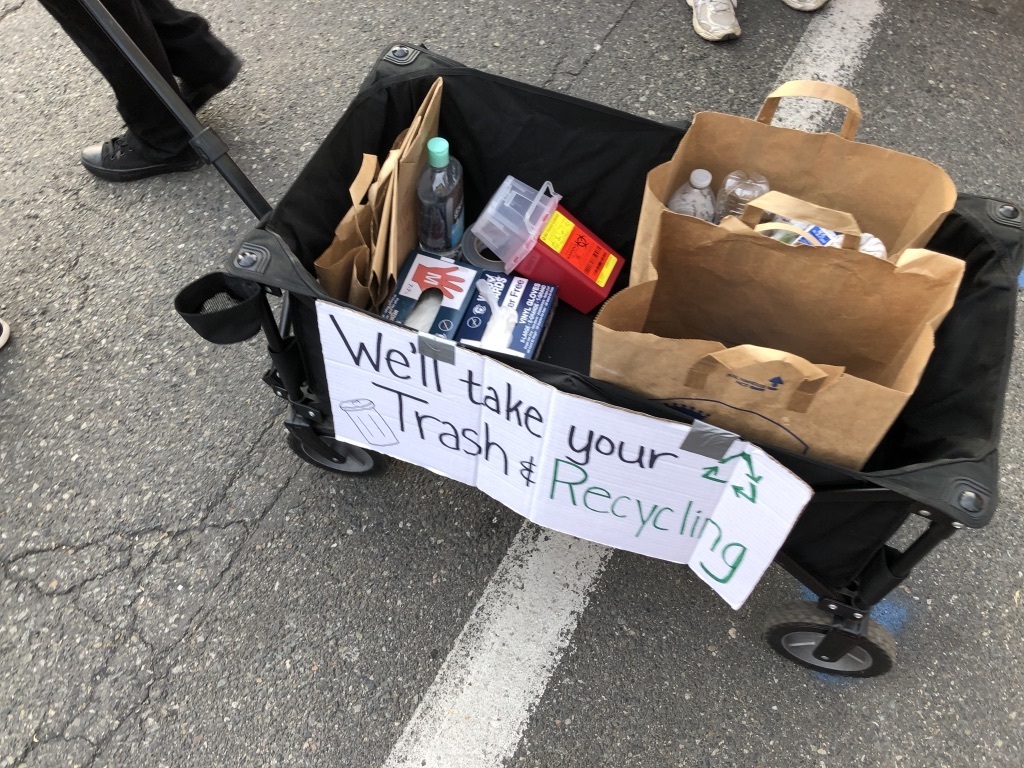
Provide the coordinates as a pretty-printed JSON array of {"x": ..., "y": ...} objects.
[{"x": 537, "y": 238}]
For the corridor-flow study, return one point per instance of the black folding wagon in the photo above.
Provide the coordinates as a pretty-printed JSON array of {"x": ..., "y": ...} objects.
[{"x": 936, "y": 470}]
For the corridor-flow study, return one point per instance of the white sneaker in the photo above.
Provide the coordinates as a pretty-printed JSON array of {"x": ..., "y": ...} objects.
[
  {"x": 715, "y": 20},
  {"x": 805, "y": 5}
]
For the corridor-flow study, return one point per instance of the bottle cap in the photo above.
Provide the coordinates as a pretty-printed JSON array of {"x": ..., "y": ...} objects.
[
  {"x": 700, "y": 178},
  {"x": 437, "y": 152}
]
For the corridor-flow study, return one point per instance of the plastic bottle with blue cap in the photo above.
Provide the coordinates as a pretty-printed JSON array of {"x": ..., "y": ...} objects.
[{"x": 440, "y": 192}]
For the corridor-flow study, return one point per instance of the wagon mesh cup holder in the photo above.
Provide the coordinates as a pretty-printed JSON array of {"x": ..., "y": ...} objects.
[{"x": 221, "y": 308}]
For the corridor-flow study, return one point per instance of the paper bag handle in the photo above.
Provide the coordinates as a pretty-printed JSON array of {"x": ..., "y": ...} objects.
[
  {"x": 795, "y": 208},
  {"x": 807, "y": 378},
  {"x": 815, "y": 89},
  {"x": 361, "y": 184}
]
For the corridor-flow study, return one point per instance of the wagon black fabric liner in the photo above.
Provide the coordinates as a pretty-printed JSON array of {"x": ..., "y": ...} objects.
[{"x": 944, "y": 443}]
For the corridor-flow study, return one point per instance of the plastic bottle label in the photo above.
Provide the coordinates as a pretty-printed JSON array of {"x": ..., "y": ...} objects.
[
  {"x": 458, "y": 225},
  {"x": 578, "y": 248}
]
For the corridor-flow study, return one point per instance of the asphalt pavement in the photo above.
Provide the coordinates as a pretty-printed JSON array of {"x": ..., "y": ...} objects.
[{"x": 178, "y": 588}]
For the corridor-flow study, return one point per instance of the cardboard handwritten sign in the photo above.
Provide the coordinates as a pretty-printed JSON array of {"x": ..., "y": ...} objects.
[{"x": 623, "y": 479}]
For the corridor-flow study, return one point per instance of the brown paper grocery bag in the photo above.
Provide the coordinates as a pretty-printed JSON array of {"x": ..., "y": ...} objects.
[
  {"x": 812, "y": 349},
  {"x": 374, "y": 237},
  {"x": 899, "y": 198},
  {"x": 401, "y": 210},
  {"x": 380, "y": 202},
  {"x": 345, "y": 263}
]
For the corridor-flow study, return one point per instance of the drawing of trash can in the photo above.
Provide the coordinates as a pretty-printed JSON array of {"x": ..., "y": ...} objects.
[{"x": 369, "y": 422}]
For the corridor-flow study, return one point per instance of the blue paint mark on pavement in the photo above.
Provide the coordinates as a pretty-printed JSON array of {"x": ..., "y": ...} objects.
[{"x": 892, "y": 613}]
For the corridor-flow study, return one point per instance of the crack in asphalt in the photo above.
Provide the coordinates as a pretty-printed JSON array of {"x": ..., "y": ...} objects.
[
  {"x": 134, "y": 631},
  {"x": 594, "y": 49},
  {"x": 10, "y": 569},
  {"x": 32, "y": 743},
  {"x": 76, "y": 547},
  {"x": 135, "y": 714}
]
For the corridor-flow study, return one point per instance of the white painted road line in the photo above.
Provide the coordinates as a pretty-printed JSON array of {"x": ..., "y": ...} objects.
[
  {"x": 476, "y": 711},
  {"x": 832, "y": 49}
]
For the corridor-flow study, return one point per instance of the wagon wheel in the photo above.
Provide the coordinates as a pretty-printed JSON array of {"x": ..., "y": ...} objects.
[
  {"x": 796, "y": 630},
  {"x": 335, "y": 456}
]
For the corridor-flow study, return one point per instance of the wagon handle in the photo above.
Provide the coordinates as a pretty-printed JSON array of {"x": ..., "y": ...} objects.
[{"x": 207, "y": 144}]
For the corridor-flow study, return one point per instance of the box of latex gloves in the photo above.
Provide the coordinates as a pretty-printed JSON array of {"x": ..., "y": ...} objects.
[
  {"x": 508, "y": 314},
  {"x": 432, "y": 294}
]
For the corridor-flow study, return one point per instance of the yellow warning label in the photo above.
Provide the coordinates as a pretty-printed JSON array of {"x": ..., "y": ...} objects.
[
  {"x": 557, "y": 231},
  {"x": 606, "y": 271}
]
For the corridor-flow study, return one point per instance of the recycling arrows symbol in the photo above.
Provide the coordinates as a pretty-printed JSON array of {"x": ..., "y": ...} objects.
[{"x": 750, "y": 491}]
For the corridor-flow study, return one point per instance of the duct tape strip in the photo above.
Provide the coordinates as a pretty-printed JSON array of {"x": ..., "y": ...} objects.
[
  {"x": 477, "y": 254},
  {"x": 437, "y": 348},
  {"x": 708, "y": 440}
]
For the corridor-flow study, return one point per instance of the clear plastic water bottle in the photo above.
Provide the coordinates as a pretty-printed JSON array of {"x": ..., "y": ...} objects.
[
  {"x": 738, "y": 189},
  {"x": 695, "y": 198},
  {"x": 439, "y": 189}
]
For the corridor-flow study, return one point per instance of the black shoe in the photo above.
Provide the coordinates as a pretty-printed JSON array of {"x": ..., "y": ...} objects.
[
  {"x": 119, "y": 160},
  {"x": 197, "y": 96}
]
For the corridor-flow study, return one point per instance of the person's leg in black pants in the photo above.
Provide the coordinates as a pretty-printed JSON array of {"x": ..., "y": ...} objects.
[
  {"x": 177, "y": 43},
  {"x": 203, "y": 63}
]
